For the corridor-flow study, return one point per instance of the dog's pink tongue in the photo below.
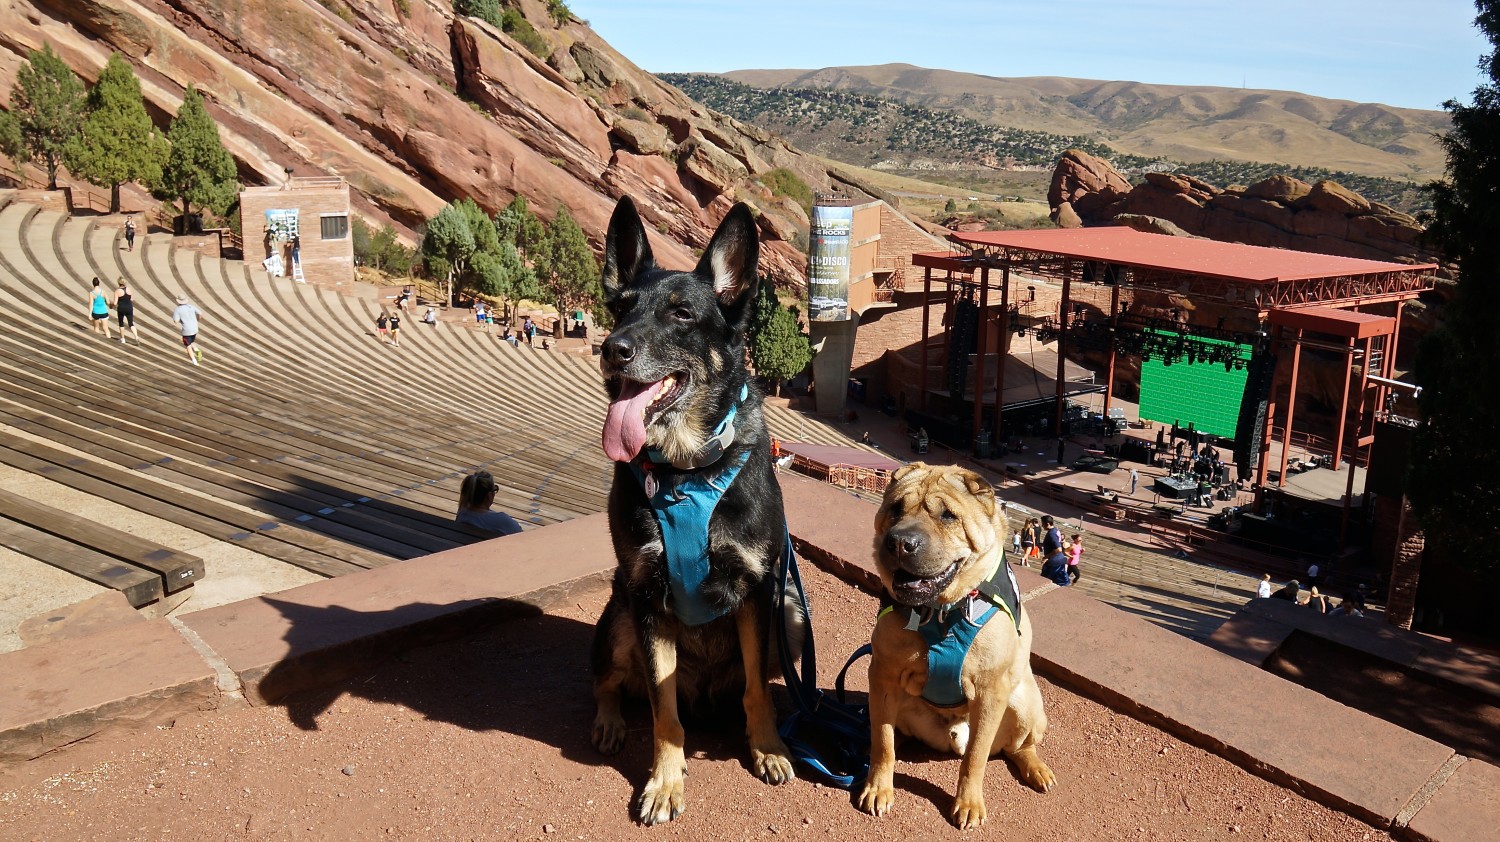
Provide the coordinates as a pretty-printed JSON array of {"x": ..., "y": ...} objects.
[{"x": 625, "y": 425}]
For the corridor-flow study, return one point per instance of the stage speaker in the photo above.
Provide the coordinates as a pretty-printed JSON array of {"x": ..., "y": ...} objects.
[
  {"x": 1388, "y": 459},
  {"x": 1251, "y": 428}
]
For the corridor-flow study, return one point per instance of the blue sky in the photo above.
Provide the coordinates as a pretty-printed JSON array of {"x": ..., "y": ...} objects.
[{"x": 1412, "y": 53}]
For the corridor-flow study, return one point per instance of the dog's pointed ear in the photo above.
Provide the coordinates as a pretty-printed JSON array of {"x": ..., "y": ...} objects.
[
  {"x": 626, "y": 249},
  {"x": 731, "y": 260}
]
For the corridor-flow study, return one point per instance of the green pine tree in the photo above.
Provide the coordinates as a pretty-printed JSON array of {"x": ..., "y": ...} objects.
[
  {"x": 779, "y": 349},
  {"x": 118, "y": 142},
  {"x": 13, "y": 145},
  {"x": 47, "y": 101},
  {"x": 199, "y": 171},
  {"x": 566, "y": 267},
  {"x": 448, "y": 246},
  {"x": 520, "y": 226},
  {"x": 1460, "y": 434}
]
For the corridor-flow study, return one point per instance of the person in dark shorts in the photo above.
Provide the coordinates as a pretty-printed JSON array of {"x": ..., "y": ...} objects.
[
  {"x": 99, "y": 309},
  {"x": 186, "y": 316},
  {"x": 130, "y": 235},
  {"x": 382, "y": 324},
  {"x": 125, "y": 312},
  {"x": 396, "y": 328}
]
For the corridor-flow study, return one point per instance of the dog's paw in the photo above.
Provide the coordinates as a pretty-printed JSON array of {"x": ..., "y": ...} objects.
[
  {"x": 1033, "y": 772},
  {"x": 876, "y": 799},
  {"x": 662, "y": 799},
  {"x": 773, "y": 767},
  {"x": 968, "y": 812},
  {"x": 609, "y": 733},
  {"x": 1039, "y": 777}
]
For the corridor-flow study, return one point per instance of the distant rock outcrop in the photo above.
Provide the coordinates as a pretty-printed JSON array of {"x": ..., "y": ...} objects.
[
  {"x": 414, "y": 106},
  {"x": 1280, "y": 211}
]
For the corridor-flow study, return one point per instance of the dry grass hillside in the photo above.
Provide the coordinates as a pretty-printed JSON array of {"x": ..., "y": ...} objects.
[{"x": 1182, "y": 122}]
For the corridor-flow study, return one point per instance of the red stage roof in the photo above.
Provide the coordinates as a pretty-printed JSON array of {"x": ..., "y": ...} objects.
[
  {"x": 828, "y": 454},
  {"x": 1187, "y": 255}
]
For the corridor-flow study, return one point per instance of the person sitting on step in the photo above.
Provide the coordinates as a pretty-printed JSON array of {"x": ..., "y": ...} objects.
[{"x": 475, "y": 497}]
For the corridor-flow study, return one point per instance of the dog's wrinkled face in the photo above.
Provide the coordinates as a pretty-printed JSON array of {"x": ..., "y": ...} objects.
[
  {"x": 676, "y": 356},
  {"x": 934, "y": 534}
]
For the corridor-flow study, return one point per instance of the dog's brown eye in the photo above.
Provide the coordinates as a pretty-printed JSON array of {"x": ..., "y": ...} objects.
[
  {"x": 682, "y": 314},
  {"x": 895, "y": 509},
  {"x": 948, "y": 516}
]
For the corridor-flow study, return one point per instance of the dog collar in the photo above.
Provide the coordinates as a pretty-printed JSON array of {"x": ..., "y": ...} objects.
[{"x": 714, "y": 448}]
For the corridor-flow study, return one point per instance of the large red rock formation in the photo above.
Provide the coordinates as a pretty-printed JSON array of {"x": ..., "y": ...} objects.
[
  {"x": 1280, "y": 211},
  {"x": 415, "y": 107}
]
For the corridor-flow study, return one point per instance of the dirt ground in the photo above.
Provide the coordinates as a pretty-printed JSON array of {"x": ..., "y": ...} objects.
[{"x": 488, "y": 738}]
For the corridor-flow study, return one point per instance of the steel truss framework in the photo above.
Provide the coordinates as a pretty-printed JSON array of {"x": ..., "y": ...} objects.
[{"x": 1261, "y": 296}]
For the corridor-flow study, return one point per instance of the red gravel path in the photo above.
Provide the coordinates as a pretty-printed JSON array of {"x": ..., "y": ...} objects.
[{"x": 487, "y": 738}]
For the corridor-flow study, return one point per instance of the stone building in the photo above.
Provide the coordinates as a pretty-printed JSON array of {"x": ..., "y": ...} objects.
[{"x": 314, "y": 209}]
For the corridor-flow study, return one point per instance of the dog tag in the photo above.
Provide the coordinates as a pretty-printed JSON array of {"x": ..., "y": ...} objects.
[
  {"x": 913, "y": 622},
  {"x": 651, "y": 486}
]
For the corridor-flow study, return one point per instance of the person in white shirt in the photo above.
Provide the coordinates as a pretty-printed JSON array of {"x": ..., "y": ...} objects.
[{"x": 1263, "y": 590}]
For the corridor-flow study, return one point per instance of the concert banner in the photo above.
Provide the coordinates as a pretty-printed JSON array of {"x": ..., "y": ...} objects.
[{"x": 828, "y": 264}]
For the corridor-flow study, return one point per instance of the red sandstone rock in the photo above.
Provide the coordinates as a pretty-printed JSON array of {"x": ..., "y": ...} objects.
[
  {"x": 1066, "y": 217},
  {"x": 1087, "y": 183},
  {"x": 1279, "y": 188},
  {"x": 1151, "y": 225},
  {"x": 1336, "y": 198},
  {"x": 369, "y": 94}
]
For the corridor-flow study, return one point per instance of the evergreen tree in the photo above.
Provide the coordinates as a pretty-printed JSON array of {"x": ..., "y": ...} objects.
[
  {"x": 448, "y": 245},
  {"x": 520, "y": 226},
  {"x": 13, "y": 145},
  {"x": 1459, "y": 439},
  {"x": 779, "y": 349},
  {"x": 199, "y": 170},
  {"x": 118, "y": 142},
  {"x": 566, "y": 268},
  {"x": 47, "y": 101}
]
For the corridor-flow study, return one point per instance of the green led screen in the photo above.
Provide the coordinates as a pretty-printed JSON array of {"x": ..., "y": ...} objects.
[{"x": 1201, "y": 393}]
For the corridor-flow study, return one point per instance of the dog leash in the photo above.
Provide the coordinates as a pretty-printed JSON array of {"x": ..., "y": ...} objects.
[{"x": 819, "y": 719}]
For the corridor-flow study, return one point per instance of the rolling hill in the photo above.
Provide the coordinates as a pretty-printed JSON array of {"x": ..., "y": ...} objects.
[{"x": 1185, "y": 123}]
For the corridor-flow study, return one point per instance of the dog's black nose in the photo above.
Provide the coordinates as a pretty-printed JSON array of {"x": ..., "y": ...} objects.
[
  {"x": 903, "y": 544},
  {"x": 618, "y": 349}
]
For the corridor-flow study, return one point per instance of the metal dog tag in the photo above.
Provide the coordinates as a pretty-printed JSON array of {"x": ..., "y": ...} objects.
[{"x": 651, "y": 485}]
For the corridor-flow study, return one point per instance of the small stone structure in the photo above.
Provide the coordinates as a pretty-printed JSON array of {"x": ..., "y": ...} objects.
[{"x": 317, "y": 210}]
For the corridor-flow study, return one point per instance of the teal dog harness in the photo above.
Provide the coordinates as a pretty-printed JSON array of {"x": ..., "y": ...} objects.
[
  {"x": 683, "y": 511},
  {"x": 949, "y": 631}
]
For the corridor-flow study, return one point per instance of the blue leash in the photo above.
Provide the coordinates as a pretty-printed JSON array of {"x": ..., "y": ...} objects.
[{"x": 820, "y": 718}]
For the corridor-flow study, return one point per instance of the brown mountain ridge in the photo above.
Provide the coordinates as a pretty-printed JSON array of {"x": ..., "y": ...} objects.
[{"x": 1181, "y": 122}]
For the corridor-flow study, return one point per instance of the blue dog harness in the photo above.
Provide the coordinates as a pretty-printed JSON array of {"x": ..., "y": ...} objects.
[
  {"x": 949, "y": 631},
  {"x": 683, "y": 512}
]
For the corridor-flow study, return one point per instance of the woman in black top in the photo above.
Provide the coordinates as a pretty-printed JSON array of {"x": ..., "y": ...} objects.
[
  {"x": 125, "y": 312},
  {"x": 396, "y": 328}
]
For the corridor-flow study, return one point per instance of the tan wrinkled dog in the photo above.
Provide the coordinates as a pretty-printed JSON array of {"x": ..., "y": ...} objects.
[{"x": 939, "y": 535}]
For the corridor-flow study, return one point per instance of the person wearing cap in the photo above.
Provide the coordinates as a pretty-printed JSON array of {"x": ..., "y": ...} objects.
[{"x": 186, "y": 316}]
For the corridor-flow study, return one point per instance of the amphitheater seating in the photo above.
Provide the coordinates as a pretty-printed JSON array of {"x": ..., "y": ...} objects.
[{"x": 301, "y": 436}]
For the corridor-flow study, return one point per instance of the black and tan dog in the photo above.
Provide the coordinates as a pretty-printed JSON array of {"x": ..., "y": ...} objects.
[
  {"x": 952, "y": 647},
  {"x": 688, "y": 620}
]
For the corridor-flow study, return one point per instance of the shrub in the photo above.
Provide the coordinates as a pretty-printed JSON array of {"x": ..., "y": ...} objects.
[
  {"x": 783, "y": 182},
  {"x": 558, "y": 11},
  {"x": 514, "y": 24},
  {"x": 403, "y": 8},
  {"x": 486, "y": 10}
]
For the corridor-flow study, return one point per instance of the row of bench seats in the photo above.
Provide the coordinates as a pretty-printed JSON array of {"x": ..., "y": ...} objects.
[{"x": 301, "y": 436}]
